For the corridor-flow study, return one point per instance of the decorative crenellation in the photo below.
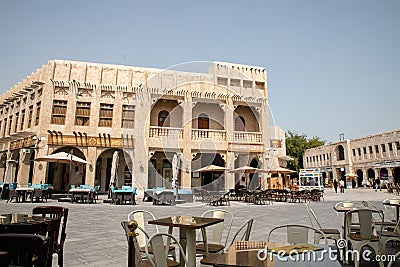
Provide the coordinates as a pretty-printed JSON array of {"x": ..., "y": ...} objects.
[
  {"x": 236, "y": 98},
  {"x": 152, "y": 90},
  {"x": 60, "y": 87},
  {"x": 210, "y": 95},
  {"x": 195, "y": 94},
  {"x": 107, "y": 91},
  {"x": 223, "y": 96}
]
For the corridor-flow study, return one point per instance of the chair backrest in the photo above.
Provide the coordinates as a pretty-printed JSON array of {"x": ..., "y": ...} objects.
[
  {"x": 25, "y": 249},
  {"x": 160, "y": 250},
  {"x": 297, "y": 233},
  {"x": 136, "y": 248},
  {"x": 217, "y": 229},
  {"x": 59, "y": 216},
  {"x": 394, "y": 261},
  {"x": 394, "y": 209},
  {"x": 311, "y": 215},
  {"x": 166, "y": 196},
  {"x": 139, "y": 217},
  {"x": 243, "y": 233},
  {"x": 365, "y": 220}
]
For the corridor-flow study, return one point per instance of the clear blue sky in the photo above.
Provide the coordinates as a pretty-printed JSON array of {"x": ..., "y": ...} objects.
[{"x": 333, "y": 65}]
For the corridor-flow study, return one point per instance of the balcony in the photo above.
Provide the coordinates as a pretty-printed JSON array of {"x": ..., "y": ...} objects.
[
  {"x": 247, "y": 137},
  {"x": 166, "y": 132},
  {"x": 215, "y": 135}
]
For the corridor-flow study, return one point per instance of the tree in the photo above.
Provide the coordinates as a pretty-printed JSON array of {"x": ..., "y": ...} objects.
[{"x": 296, "y": 145}]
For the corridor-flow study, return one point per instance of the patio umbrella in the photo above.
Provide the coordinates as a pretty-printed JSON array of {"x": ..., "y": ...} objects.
[
  {"x": 114, "y": 170},
  {"x": 211, "y": 168},
  {"x": 247, "y": 170},
  {"x": 351, "y": 175},
  {"x": 63, "y": 157},
  {"x": 280, "y": 170}
]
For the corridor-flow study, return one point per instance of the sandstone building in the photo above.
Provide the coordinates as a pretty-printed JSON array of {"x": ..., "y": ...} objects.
[
  {"x": 368, "y": 157},
  {"x": 148, "y": 115}
]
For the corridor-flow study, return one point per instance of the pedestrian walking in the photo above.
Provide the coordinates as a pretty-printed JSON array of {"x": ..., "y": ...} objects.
[
  {"x": 335, "y": 185},
  {"x": 378, "y": 184},
  {"x": 341, "y": 183}
]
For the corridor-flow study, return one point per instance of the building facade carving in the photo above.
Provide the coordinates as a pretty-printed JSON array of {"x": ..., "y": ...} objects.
[{"x": 148, "y": 115}]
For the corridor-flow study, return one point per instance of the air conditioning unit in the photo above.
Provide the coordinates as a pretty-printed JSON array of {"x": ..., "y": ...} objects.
[{"x": 26, "y": 150}]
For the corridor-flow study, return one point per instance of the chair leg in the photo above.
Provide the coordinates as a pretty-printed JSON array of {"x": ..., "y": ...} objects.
[
  {"x": 61, "y": 257},
  {"x": 173, "y": 254}
]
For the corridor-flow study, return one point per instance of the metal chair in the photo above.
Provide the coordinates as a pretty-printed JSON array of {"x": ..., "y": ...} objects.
[
  {"x": 215, "y": 243},
  {"x": 160, "y": 250},
  {"x": 164, "y": 198},
  {"x": 386, "y": 225},
  {"x": 329, "y": 233},
  {"x": 298, "y": 234},
  {"x": 366, "y": 235},
  {"x": 13, "y": 194},
  {"x": 39, "y": 194},
  {"x": 242, "y": 234},
  {"x": 396, "y": 256},
  {"x": 142, "y": 236},
  {"x": 25, "y": 249}
]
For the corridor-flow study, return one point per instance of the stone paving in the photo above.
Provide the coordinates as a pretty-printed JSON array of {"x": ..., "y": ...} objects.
[{"x": 95, "y": 237}]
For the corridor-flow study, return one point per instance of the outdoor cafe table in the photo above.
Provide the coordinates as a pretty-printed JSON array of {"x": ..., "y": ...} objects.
[
  {"x": 246, "y": 254},
  {"x": 79, "y": 193},
  {"x": 124, "y": 193},
  {"x": 22, "y": 191},
  {"x": 22, "y": 223},
  {"x": 187, "y": 232}
]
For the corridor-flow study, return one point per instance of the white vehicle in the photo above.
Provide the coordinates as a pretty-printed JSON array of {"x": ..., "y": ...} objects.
[{"x": 310, "y": 178}]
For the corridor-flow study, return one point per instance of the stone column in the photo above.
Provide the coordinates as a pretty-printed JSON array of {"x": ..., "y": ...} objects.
[
  {"x": 91, "y": 168},
  {"x": 186, "y": 174},
  {"x": 230, "y": 155}
]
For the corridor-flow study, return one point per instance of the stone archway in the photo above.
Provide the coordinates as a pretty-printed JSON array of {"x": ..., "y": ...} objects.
[
  {"x": 396, "y": 175},
  {"x": 62, "y": 175},
  {"x": 103, "y": 169},
  {"x": 3, "y": 166},
  {"x": 371, "y": 176},
  {"x": 383, "y": 173},
  {"x": 14, "y": 165},
  {"x": 340, "y": 153},
  {"x": 212, "y": 180},
  {"x": 254, "y": 178}
]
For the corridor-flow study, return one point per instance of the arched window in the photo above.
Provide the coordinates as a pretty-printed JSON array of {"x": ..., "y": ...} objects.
[
  {"x": 340, "y": 152},
  {"x": 203, "y": 121},
  {"x": 240, "y": 124},
  {"x": 163, "y": 118}
]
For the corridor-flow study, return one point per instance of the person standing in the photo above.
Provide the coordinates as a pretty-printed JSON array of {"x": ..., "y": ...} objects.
[
  {"x": 378, "y": 184},
  {"x": 335, "y": 185},
  {"x": 341, "y": 183}
]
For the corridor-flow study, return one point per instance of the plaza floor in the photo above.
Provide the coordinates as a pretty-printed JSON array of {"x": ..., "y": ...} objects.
[{"x": 95, "y": 236}]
